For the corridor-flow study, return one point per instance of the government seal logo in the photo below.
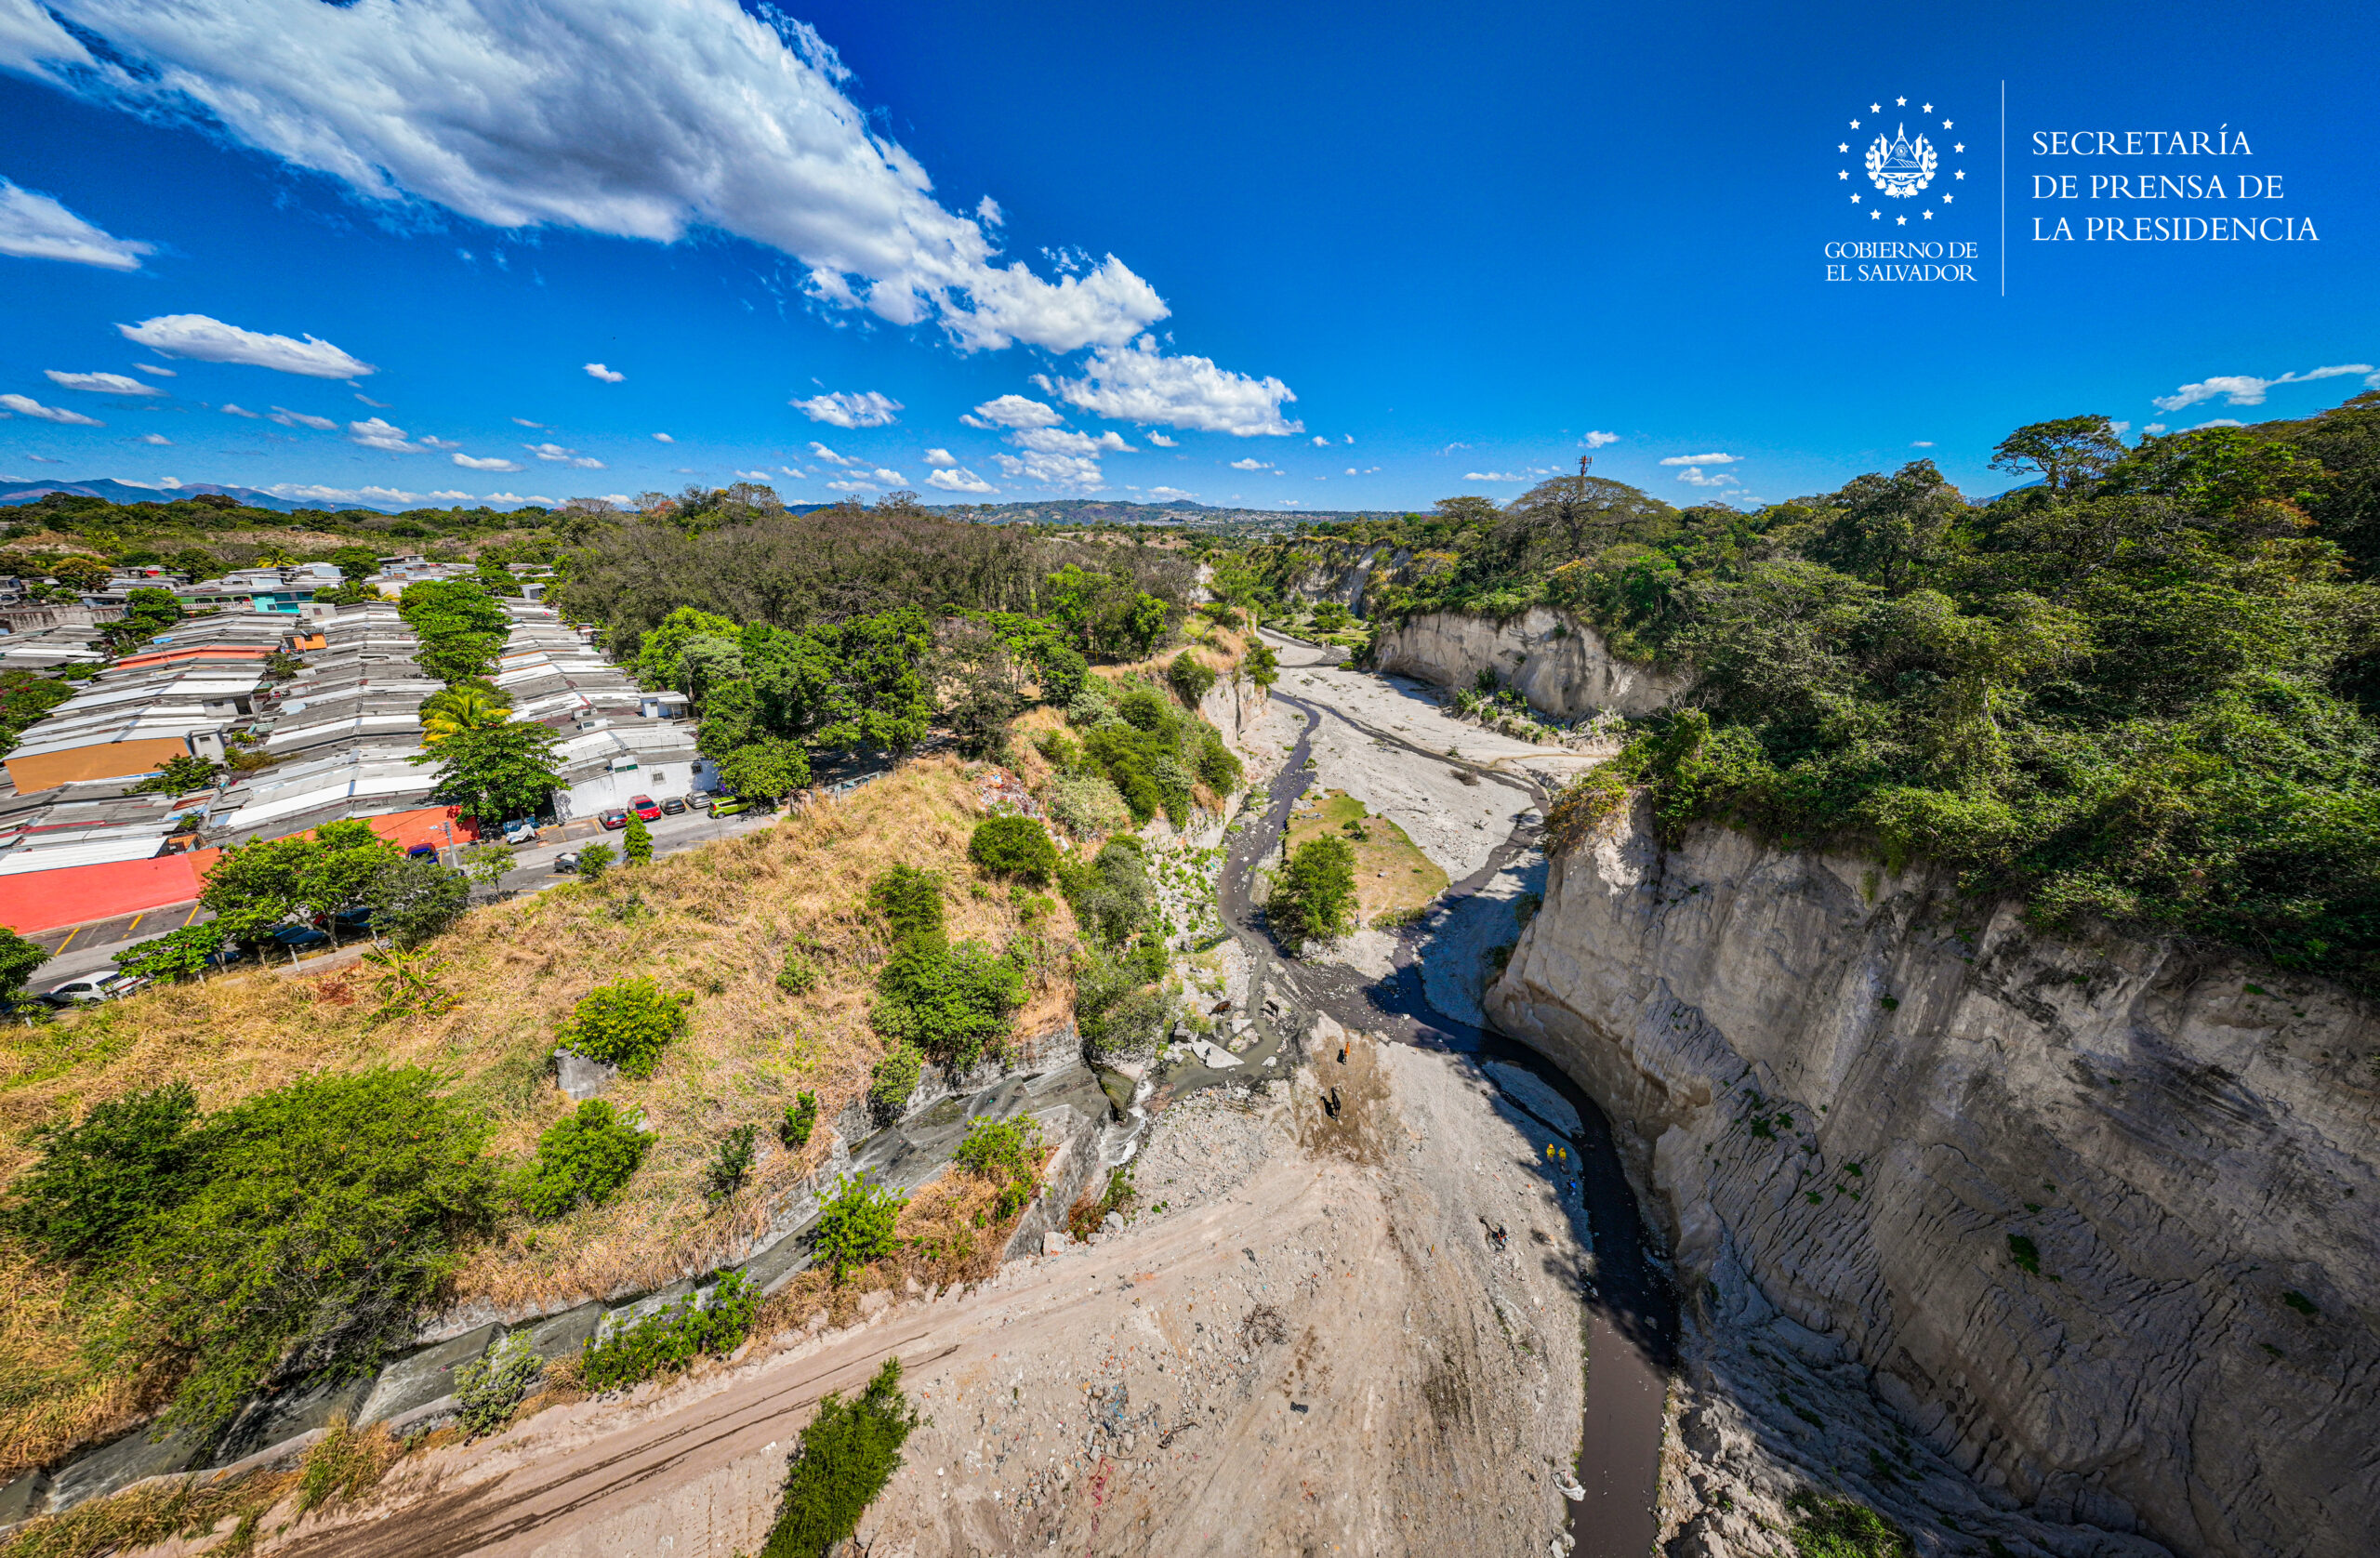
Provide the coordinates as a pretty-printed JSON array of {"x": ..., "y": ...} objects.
[{"x": 1902, "y": 165}]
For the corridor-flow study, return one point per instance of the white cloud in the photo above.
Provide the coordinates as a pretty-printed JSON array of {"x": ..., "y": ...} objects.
[
  {"x": 1596, "y": 441},
  {"x": 1137, "y": 383},
  {"x": 1320, "y": 442},
  {"x": 867, "y": 409},
  {"x": 1922, "y": 444},
  {"x": 2218, "y": 422},
  {"x": 345, "y": 495},
  {"x": 453, "y": 496},
  {"x": 1492, "y": 476},
  {"x": 155, "y": 438},
  {"x": 1702, "y": 459},
  {"x": 893, "y": 476},
  {"x": 1073, "y": 472},
  {"x": 1012, "y": 411},
  {"x": 154, "y": 368},
  {"x": 2241, "y": 389},
  {"x": 211, "y": 340},
  {"x": 103, "y": 384},
  {"x": 377, "y": 406},
  {"x": 379, "y": 435},
  {"x": 2154, "y": 428},
  {"x": 959, "y": 479},
  {"x": 25, "y": 405},
  {"x": 525, "y": 422},
  {"x": 35, "y": 227},
  {"x": 616, "y": 116},
  {"x": 1350, "y": 470},
  {"x": 596, "y": 370},
  {"x": 288, "y": 418},
  {"x": 1251, "y": 463},
  {"x": 1694, "y": 476},
  {"x": 941, "y": 458},
  {"x": 830, "y": 457},
  {"x": 988, "y": 210},
  {"x": 557, "y": 453},
  {"x": 797, "y": 475},
  {"x": 1169, "y": 494},
  {"x": 230, "y": 410},
  {"x": 754, "y": 475},
  {"x": 1164, "y": 442},
  {"x": 469, "y": 463},
  {"x": 517, "y": 498},
  {"x": 429, "y": 443},
  {"x": 852, "y": 486},
  {"x": 665, "y": 438}
]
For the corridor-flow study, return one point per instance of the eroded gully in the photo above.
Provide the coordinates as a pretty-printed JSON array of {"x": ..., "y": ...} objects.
[{"x": 1631, "y": 1313}]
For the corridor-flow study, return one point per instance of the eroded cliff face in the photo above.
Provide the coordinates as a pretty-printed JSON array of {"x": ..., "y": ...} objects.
[
  {"x": 1556, "y": 661},
  {"x": 2096, "y": 1219}
]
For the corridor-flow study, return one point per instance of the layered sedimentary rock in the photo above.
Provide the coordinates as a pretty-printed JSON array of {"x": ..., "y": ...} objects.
[
  {"x": 1551, "y": 658},
  {"x": 2097, "y": 1216}
]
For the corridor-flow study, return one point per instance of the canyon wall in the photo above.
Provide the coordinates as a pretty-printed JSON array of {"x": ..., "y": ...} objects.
[
  {"x": 1556, "y": 661},
  {"x": 2096, "y": 1218}
]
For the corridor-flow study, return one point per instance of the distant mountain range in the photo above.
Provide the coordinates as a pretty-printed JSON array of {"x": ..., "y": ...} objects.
[{"x": 15, "y": 491}]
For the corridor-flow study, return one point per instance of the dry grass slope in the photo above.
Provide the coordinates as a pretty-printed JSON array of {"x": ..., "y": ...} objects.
[{"x": 717, "y": 921}]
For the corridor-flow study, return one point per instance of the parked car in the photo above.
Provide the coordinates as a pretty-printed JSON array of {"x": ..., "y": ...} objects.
[
  {"x": 673, "y": 805},
  {"x": 615, "y": 818},
  {"x": 300, "y": 935},
  {"x": 566, "y": 862},
  {"x": 87, "y": 988},
  {"x": 645, "y": 806},
  {"x": 521, "y": 830},
  {"x": 729, "y": 806},
  {"x": 422, "y": 851}
]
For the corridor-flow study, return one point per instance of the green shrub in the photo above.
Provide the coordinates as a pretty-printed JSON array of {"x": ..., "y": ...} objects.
[
  {"x": 800, "y": 1117},
  {"x": 894, "y": 1078},
  {"x": 907, "y": 900},
  {"x": 1218, "y": 766},
  {"x": 669, "y": 1341},
  {"x": 627, "y": 1025},
  {"x": 952, "y": 1002},
  {"x": 330, "y": 1210},
  {"x": 1263, "y": 666},
  {"x": 845, "y": 1456},
  {"x": 731, "y": 1165},
  {"x": 2024, "y": 1253},
  {"x": 799, "y": 976},
  {"x": 1119, "y": 1011},
  {"x": 856, "y": 1227},
  {"x": 636, "y": 843},
  {"x": 1008, "y": 1154},
  {"x": 96, "y": 1183},
  {"x": 1086, "y": 805},
  {"x": 594, "y": 861},
  {"x": 1058, "y": 749},
  {"x": 1313, "y": 898},
  {"x": 1113, "y": 896},
  {"x": 413, "y": 900},
  {"x": 486, "y": 1392},
  {"x": 1015, "y": 847},
  {"x": 1190, "y": 677},
  {"x": 19, "y": 956},
  {"x": 582, "y": 1160},
  {"x": 1825, "y": 1527}
]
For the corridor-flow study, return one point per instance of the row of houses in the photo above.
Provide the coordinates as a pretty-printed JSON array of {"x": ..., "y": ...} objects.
[{"x": 331, "y": 701}]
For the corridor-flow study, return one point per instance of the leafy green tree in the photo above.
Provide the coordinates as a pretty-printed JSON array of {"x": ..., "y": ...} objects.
[
  {"x": 94, "y": 1185},
  {"x": 1113, "y": 897},
  {"x": 657, "y": 654},
  {"x": 84, "y": 574},
  {"x": 175, "y": 956},
  {"x": 472, "y": 705},
  {"x": 2068, "y": 452},
  {"x": 197, "y": 563},
  {"x": 24, "y": 698},
  {"x": 355, "y": 563},
  {"x": 843, "y": 1459},
  {"x": 147, "y": 612},
  {"x": 347, "y": 592},
  {"x": 767, "y": 769},
  {"x": 706, "y": 661},
  {"x": 255, "y": 886},
  {"x": 1190, "y": 678},
  {"x": 1313, "y": 898},
  {"x": 907, "y": 900},
  {"x": 952, "y": 1002},
  {"x": 583, "y": 1159},
  {"x": 413, "y": 900},
  {"x": 1017, "y": 847},
  {"x": 635, "y": 841},
  {"x": 628, "y": 1025},
  {"x": 18, "y": 958},
  {"x": 1119, "y": 1010},
  {"x": 856, "y": 1227},
  {"x": 498, "y": 770},
  {"x": 594, "y": 860},
  {"x": 1890, "y": 530},
  {"x": 487, "y": 864},
  {"x": 179, "y": 777}
]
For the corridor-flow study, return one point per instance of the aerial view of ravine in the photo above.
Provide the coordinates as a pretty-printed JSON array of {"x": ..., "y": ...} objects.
[{"x": 887, "y": 780}]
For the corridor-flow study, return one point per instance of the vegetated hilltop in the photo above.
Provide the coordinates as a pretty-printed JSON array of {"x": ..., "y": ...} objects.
[{"x": 2143, "y": 688}]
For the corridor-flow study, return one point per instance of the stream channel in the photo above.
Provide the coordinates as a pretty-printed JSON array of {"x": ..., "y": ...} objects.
[{"x": 1631, "y": 1312}]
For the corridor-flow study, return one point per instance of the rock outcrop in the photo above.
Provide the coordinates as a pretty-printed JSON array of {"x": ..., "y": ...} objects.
[
  {"x": 1559, "y": 664},
  {"x": 2095, "y": 1219}
]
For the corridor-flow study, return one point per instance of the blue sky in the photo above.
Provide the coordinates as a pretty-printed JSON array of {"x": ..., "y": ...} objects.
[{"x": 1318, "y": 256}]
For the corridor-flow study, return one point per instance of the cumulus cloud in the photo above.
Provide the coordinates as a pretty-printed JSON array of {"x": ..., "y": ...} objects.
[
  {"x": 1071, "y": 472},
  {"x": 1169, "y": 494},
  {"x": 230, "y": 410},
  {"x": 1696, "y": 477},
  {"x": 519, "y": 497},
  {"x": 1596, "y": 441},
  {"x": 665, "y": 438},
  {"x": 1492, "y": 476},
  {"x": 155, "y": 438},
  {"x": 615, "y": 116},
  {"x": 103, "y": 384},
  {"x": 556, "y": 453},
  {"x": 160, "y": 372},
  {"x": 1320, "y": 442},
  {"x": 797, "y": 475},
  {"x": 893, "y": 476},
  {"x": 25, "y": 405},
  {"x": 1164, "y": 442},
  {"x": 959, "y": 479},
  {"x": 1138, "y": 383},
  {"x": 867, "y": 409},
  {"x": 1251, "y": 463},
  {"x": 1700, "y": 459},
  {"x": 596, "y": 370},
  {"x": 379, "y": 435},
  {"x": 830, "y": 457},
  {"x": 35, "y": 227},
  {"x": 754, "y": 475},
  {"x": 941, "y": 458},
  {"x": 211, "y": 340},
  {"x": 290, "y": 418},
  {"x": 2241, "y": 389},
  {"x": 852, "y": 485},
  {"x": 345, "y": 495},
  {"x": 471, "y": 463},
  {"x": 1012, "y": 411}
]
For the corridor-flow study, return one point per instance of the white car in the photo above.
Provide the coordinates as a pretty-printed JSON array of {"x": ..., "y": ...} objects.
[{"x": 91, "y": 987}]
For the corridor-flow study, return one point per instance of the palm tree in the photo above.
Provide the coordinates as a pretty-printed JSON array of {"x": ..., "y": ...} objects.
[{"x": 457, "y": 709}]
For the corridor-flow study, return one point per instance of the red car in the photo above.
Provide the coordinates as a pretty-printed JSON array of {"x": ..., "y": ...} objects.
[
  {"x": 613, "y": 819},
  {"x": 646, "y": 807}
]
